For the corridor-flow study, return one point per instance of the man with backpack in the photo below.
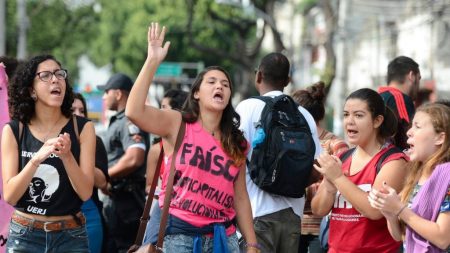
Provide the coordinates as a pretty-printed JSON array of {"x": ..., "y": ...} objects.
[{"x": 284, "y": 143}]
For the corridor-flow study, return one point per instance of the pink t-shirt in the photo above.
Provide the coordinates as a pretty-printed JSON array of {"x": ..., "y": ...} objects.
[{"x": 204, "y": 180}]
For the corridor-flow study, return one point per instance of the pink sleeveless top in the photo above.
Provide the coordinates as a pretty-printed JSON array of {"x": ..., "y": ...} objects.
[{"x": 204, "y": 180}]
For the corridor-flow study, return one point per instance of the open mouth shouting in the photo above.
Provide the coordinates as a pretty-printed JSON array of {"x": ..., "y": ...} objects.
[
  {"x": 351, "y": 133},
  {"x": 218, "y": 97},
  {"x": 56, "y": 91}
]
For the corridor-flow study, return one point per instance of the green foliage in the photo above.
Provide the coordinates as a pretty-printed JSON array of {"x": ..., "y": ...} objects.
[
  {"x": 305, "y": 5},
  {"x": 115, "y": 32},
  {"x": 54, "y": 28}
]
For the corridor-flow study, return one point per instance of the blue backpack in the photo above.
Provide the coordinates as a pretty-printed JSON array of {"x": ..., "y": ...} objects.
[{"x": 283, "y": 149}]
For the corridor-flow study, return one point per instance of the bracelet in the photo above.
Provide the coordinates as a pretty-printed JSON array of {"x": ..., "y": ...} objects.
[
  {"x": 256, "y": 246},
  {"x": 401, "y": 209},
  {"x": 33, "y": 163}
]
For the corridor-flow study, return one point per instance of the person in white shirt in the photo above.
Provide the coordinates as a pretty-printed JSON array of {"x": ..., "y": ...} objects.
[{"x": 276, "y": 218}]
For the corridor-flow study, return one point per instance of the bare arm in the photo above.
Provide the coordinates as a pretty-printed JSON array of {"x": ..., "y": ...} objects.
[
  {"x": 394, "y": 228},
  {"x": 152, "y": 162},
  {"x": 129, "y": 162},
  {"x": 244, "y": 209},
  {"x": 99, "y": 179},
  {"x": 393, "y": 172},
  {"x": 151, "y": 119},
  {"x": 435, "y": 232},
  {"x": 323, "y": 200},
  {"x": 14, "y": 183}
]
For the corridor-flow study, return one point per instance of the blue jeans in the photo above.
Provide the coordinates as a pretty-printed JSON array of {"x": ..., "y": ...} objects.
[
  {"x": 180, "y": 243},
  {"x": 22, "y": 239},
  {"x": 94, "y": 225},
  {"x": 152, "y": 229}
]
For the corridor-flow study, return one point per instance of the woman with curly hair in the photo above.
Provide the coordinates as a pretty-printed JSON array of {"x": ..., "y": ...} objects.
[
  {"x": 47, "y": 161},
  {"x": 209, "y": 187}
]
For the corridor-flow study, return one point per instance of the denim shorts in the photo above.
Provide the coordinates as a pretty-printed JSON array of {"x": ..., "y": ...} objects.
[
  {"x": 27, "y": 239},
  {"x": 180, "y": 243}
]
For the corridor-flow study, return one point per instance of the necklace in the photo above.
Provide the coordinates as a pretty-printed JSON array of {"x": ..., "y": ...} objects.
[
  {"x": 211, "y": 132},
  {"x": 51, "y": 129}
]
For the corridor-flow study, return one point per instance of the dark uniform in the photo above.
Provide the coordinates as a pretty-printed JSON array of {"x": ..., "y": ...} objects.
[{"x": 124, "y": 207}]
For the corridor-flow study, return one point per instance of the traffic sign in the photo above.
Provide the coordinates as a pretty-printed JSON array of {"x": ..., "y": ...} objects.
[{"x": 169, "y": 69}]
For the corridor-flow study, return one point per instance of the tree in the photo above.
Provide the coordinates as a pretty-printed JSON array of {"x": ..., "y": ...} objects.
[
  {"x": 55, "y": 28},
  {"x": 111, "y": 33},
  {"x": 330, "y": 16},
  {"x": 244, "y": 43},
  {"x": 199, "y": 30}
]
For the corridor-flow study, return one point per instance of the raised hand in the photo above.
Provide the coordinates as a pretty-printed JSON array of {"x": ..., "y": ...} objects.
[{"x": 155, "y": 39}]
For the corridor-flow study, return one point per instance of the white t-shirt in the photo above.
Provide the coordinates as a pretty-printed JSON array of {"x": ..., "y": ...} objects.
[{"x": 262, "y": 202}]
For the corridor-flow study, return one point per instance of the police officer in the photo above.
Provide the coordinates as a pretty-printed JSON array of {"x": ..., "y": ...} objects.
[{"x": 126, "y": 167}]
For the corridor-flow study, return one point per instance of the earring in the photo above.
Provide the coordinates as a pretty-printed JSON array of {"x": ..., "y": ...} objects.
[{"x": 34, "y": 96}]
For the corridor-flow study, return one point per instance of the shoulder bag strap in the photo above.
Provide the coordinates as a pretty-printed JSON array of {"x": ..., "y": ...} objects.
[
  {"x": 169, "y": 189},
  {"x": 75, "y": 127},
  {"x": 148, "y": 203}
]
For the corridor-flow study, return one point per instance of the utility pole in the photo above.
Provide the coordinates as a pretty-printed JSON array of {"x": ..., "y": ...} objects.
[
  {"x": 22, "y": 21},
  {"x": 2, "y": 27}
]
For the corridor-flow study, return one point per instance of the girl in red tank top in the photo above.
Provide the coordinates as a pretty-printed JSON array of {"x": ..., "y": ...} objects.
[{"x": 355, "y": 226}]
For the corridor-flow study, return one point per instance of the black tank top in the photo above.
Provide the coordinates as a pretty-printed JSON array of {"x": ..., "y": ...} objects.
[{"x": 50, "y": 192}]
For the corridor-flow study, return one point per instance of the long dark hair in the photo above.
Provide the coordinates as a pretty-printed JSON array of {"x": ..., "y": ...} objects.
[
  {"x": 80, "y": 97},
  {"x": 375, "y": 104},
  {"x": 232, "y": 139},
  {"x": 21, "y": 105}
]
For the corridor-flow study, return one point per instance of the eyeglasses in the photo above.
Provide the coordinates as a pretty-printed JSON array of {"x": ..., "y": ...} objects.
[{"x": 45, "y": 76}]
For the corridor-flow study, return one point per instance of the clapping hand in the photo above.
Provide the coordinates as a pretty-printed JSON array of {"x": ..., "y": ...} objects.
[
  {"x": 62, "y": 145},
  {"x": 386, "y": 200},
  {"x": 329, "y": 166},
  {"x": 155, "y": 41}
]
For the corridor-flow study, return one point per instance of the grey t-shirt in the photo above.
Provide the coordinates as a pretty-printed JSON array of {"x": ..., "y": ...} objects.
[{"x": 119, "y": 138}]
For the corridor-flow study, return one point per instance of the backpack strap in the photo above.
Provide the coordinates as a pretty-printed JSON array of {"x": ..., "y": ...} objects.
[
  {"x": 386, "y": 154},
  {"x": 265, "y": 99},
  {"x": 389, "y": 152},
  {"x": 344, "y": 156}
]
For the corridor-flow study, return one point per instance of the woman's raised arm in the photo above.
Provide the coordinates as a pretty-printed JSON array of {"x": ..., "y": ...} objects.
[{"x": 151, "y": 119}]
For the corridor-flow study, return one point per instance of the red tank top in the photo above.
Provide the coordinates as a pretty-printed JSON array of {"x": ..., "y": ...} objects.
[{"x": 350, "y": 231}]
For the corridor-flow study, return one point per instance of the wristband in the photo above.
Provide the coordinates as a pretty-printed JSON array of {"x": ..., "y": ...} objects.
[
  {"x": 401, "y": 209},
  {"x": 33, "y": 163},
  {"x": 254, "y": 245}
]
